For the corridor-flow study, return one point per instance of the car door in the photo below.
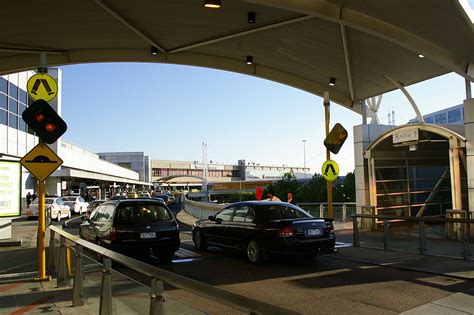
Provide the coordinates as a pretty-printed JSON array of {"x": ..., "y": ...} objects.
[
  {"x": 242, "y": 226},
  {"x": 105, "y": 223},
  {"x": 89, "y": 227},
  {"x": 218, "y": 232}
]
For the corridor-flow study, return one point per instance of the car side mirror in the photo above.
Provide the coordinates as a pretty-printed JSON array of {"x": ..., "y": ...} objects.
[{"x": 211, "y": 217}]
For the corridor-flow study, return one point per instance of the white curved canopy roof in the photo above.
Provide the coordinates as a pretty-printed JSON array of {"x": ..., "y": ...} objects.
[{"x": 299, "y": 43}]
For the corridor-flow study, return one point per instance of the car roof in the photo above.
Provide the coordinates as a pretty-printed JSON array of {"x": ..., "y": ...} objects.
[
  {"x": 135, "y": 200},
  {"x": 261, "y": 203}
]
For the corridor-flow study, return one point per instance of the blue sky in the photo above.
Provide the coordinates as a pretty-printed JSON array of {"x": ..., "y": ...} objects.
[{"x": 167, "y": 111}]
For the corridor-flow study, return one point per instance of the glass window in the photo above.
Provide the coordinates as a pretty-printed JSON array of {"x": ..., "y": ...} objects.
[
  {"x": 454, "y": 115},
  {"x": 244, "y": 214},
  {"x": 3, "y": 101},
  {"x": 429, "y": 119},
  {"x": 21, "y": 125},
  {"x": 108, "y": 213},
  {"x": 441, "y": 118},
  {"x": 12, "y": 120},
  {"x": 142, "y": 213},
  {"x": 3, "y": 85},
  {"x": 21, "y": 109},
  {"x": 23, "y": 96},
  {"x": 3, "y": 117},
  {"x": 81, "y": 199},
  {"x": 48, "y": 201},
  {"x": 225, "y": 214},
  {"x": 30, "y": 100},
  {"x": 278, "y": 212},
  {"x": 13, "y": 105},
  {"x": 60, "y": 202},
  {"x": 13, "y": 90}
]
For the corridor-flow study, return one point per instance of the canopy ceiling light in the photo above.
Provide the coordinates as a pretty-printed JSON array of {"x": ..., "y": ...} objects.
[
  {"x": 249, "y": 60},
  {"x": 251, "y": 17},
  {"x": 332, "y": 81},
  {"x": 212, "y": 4},
  {"x": 154, "y": 50}
]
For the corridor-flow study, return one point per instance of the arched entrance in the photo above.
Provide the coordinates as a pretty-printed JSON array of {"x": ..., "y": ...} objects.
[{"x": 418, "y": 170}]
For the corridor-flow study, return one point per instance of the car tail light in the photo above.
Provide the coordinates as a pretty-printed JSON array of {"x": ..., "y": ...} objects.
[
  {"x": 330, "y": 226},
  {"x": 113, "y": 234},
  {"x": 286, "y": 231}
]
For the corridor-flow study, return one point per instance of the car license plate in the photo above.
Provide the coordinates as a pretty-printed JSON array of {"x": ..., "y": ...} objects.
[
  {"x": 314, "y": 232},
  {"x": 148, "y": 235}
]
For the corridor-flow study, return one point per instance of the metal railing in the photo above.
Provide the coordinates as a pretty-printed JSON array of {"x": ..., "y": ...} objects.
[
  {"x": 421, "y": 222},
  {"x": 61, "y": 266},
  {"x": 342, "y": 210}
]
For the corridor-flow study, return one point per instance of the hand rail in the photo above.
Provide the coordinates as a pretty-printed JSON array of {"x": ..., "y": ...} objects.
[
  {"x": 426, "y": 219},
  {"x": 236, "y": 301}
]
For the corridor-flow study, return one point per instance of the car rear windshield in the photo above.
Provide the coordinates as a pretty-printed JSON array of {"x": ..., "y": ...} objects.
[
  {"x": 142, "y": 213},
  {"x": 280, "y": 212}
]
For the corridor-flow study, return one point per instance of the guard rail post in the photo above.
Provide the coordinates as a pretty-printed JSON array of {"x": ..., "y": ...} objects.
[
  {"x": 62, "y": 277},
  {"x": 422, "y": 237},
  {"x": 106, "y": 290},
  {"x": 466, "y": 251},
  {"x": 156, "y": 297},
  {"x": 51, "y": 257},
  {"x": 386, "y": 234},
  {"x": 321, "y": 210},
  {"x": 77, "y": 289},
  {"x": 355, "y": 231},
  {"x": 344, "y": 209}
]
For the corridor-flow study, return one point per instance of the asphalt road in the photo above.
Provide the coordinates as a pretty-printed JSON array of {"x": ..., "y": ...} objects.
[{"x": 323, "y": 285}]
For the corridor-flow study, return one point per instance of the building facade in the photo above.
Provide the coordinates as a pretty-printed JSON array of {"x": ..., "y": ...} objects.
[
  {"x": 135, "y": 161},
  {"x": 452, "y": 116}
]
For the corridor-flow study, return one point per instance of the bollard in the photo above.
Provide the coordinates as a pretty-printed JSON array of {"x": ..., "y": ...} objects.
[
  {"x": 386, "y": 235},
  {"x": 344, "y": 210},
  {"x": 77, "y": 290},
  {"x": 321, "y": 210},
  {"x": 422, "y": 237},
  {"x": 355, "y": 232},
  {"x": 62, "y": 278},
  {"x": 466, "y": 250},
  {"x": 156, "y": 297},
  {"x": 106, "y": 290}
]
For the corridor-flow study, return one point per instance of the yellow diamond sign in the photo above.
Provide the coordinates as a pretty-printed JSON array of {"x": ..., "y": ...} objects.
[
  {"x": 41, "y": 161},
  {"x": 42, "y": 86},
  {"x": 330, "y": 170}
]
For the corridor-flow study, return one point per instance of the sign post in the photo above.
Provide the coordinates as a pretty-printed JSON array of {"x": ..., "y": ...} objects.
[
  {"x": 328, "y": 153},
  {"x": 41, "y": 161}
]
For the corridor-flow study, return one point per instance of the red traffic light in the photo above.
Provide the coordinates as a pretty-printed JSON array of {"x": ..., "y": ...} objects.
[{"x": 44, "y": 121}]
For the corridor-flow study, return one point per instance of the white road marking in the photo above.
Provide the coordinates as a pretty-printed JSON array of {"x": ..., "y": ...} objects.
[{"x": 184, "y": 253}]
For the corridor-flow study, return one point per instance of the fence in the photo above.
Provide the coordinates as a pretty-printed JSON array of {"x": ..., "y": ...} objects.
[
  {"x": 94, "y": 281},
  {"x": 427, "y": 236},
  {"x": 342, "y": 211}
]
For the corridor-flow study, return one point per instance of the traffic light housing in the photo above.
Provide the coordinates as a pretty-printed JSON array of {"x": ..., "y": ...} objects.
[
  {"x": 335, "y": 139},
  {"x": 44, "y": 121}
]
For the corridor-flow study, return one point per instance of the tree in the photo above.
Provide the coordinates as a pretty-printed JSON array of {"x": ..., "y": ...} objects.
[{"x": 287, "y": 183}]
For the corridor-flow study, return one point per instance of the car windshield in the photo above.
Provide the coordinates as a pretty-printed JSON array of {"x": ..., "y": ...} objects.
[
  {"x": 80, "y": 199},
  {"x": 280, "y": 212},
  {"x": 143, "y": 213}
]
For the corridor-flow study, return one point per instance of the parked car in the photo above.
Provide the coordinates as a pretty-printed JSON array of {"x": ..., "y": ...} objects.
[
  {"x": 265, "y": 227},
  {"x": 94, "y": 204},
  {"x": 133, "y": 226},
  {"x": 163, "y": 197},
  {"x": 55, "y": 207},
  {"x": 76, "y": 203}
]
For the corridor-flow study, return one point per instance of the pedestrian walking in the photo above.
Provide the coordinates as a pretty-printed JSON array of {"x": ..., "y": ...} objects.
[
  {"x": 28, "y": 199},
  {"x": 271, "y": 196}
]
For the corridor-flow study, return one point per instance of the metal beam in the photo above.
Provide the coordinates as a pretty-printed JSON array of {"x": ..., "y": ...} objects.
[
  {"x": 371, "y": 25},
  {"x": 30, "y": 50},
  {"x": 348, "y": 63},
  {"x": 129, "y": 25},
  {"x": 241, "y": 33},
  {"x": 408, "y": 96},
  {"x": 433, "y": 192}
]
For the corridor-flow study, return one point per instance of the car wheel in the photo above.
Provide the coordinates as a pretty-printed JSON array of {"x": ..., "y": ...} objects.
[
  {"x": 200, "y": 242},
  {"x": 59, "y": 217},
  {"x": 255, "y": 251}
]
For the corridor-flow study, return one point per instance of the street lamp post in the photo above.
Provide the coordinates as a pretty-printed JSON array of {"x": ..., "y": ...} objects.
[{"x": 304, "y": 158}]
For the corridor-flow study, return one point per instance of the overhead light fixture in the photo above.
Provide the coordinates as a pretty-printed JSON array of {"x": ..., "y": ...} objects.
[
  {"x": 332, "y": 81},
  {"x": 212, "y": 4},
  {"x": 154, "y": 50},
  {"x": 421, "y": 56},
  {"x": 249, "y": 60},
  {"x": 251, "y": 17}
]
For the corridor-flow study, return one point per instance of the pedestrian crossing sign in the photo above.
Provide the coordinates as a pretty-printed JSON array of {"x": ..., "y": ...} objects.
[
  {"x": 42, "y": 86},
  {"x": 330, "y": 170}
]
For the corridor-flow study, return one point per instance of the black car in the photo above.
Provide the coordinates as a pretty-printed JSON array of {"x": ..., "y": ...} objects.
[
  {"x": 133, "y": 226},
  {"x": 265, "y": 227}
]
